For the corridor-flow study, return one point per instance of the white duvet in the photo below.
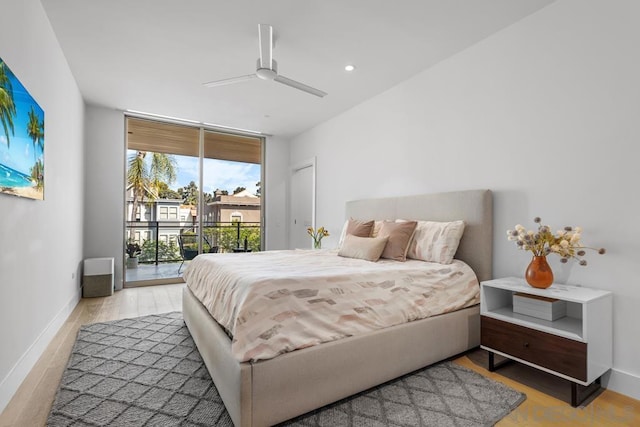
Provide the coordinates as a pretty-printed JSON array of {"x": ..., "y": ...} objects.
[{"x": 278, "y": 301}]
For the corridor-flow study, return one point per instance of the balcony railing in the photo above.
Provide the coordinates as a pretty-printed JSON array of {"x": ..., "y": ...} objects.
[{"x": 159, "y": 239}]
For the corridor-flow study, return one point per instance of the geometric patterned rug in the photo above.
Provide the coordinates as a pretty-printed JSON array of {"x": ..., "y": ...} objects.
[{"x": 147, "y": 371}]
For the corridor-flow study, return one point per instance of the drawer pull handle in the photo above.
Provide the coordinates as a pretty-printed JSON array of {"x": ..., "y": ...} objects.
[{"x": 525, "y": 345}]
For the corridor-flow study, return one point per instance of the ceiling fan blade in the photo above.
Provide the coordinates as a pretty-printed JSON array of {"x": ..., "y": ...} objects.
[
  {"x": 265, "y": 36},
  {"x": 230, "y": 81},
  {"x": 301, "y": 86}
]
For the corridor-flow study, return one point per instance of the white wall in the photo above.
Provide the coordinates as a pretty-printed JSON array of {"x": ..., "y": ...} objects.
[
  {"x": 545, "y": 114},
  {"x": 40, "y": 241},
  {"x": 276, "y": 192},
  {"x": 104, "y": 189}
]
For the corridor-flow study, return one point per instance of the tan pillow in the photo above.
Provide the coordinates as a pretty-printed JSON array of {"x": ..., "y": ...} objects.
[
  {"x": 376, "y": 228},
  {"x": 399, "y": 235},
  {"x": 436, "y": 241},
  {"x": 359, "y": 228},
  {"x": 367, "y": 248},
  {"x": 355, "y": 227}
]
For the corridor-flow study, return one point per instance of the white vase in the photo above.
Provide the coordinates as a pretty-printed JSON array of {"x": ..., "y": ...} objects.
[{"x": 132, "y": 262}]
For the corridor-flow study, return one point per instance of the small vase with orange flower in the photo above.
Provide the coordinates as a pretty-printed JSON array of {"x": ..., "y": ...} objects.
[{"x": 540, "y": 243}]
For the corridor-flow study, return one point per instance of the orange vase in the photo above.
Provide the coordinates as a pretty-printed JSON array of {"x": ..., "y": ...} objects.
[{"x": 539, "y": 274}]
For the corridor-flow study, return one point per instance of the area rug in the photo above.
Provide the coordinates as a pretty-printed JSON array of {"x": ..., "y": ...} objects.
[{"x": 147, "y": 371}]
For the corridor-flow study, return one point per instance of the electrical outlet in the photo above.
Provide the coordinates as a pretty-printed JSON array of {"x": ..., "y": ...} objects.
[{"x": 73, "y": 275}]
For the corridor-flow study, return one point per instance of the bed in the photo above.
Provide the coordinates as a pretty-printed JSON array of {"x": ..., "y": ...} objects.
[{"x": 266, "y": 392}]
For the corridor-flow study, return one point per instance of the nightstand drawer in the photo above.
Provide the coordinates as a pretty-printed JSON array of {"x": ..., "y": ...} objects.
[{"x": 559, "y": 354}]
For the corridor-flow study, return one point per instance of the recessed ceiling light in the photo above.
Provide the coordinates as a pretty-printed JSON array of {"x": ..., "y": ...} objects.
[{"x": 349, "y": 67}]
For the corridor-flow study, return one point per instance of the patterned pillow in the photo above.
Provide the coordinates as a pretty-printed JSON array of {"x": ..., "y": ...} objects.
[
  {"x": 367, "y": 248},
  {"x": 436, "y": 241},
  {"x": 399, "y": 235}
]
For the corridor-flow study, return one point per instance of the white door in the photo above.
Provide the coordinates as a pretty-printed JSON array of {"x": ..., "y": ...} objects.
[{"x": 302, "y": 205}]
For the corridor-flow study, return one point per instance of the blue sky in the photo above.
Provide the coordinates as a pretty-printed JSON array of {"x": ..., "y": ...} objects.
[
  {"x": 20, "y": 154},
  {"x": 220, "y": 174}
]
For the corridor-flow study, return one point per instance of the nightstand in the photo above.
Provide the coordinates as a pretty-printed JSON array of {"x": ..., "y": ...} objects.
[{"x": 576, "y": 347}]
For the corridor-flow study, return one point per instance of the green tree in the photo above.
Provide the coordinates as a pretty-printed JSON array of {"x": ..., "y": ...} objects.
[
  {"x": 239, "y": 189},
  {"x": 7, "y": 106},
  {"x": 162, "y": 170},
  {"x": 189, "y": 194},
  {"x": 166, "y": 251},
  {"x": 226, "y": 237},
  {"x": 208, "y": 197},
  {"x": 253, "y": 238},
  {"x": 137, "y": 179},
  {"x": 35, "y": 130},
  {"x": 164, "y": 192},
  {"x": 144, "y": 180},
  {"x": 259, "y": 190}
]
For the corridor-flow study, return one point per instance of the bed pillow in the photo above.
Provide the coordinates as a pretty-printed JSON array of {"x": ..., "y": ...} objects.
[
  {"x": 398, "y": 235},
  {"x": 367, "y": 248},
  {"x": 436, "y": 241},
  {"x": 376, "y": 228},
  {"x": 355, "y": 227}
]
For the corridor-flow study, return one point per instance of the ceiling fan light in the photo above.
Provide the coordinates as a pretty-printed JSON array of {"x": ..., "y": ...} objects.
[
  {"x": 266, "y": 73},
  {"x": 267, "y": 67}
]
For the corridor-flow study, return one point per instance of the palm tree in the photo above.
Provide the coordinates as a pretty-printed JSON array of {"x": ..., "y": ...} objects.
[
  {"x": 137, "y": 179},
  {"x": 7, "y": 106},
  {"x": 37, "y": 174},
  {"x": 162, "y": 170},
  {"x": 35, "y": 129},
  {"x": 146, "y": 181}
]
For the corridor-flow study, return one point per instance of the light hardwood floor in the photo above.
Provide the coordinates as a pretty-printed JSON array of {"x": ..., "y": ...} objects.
[
  {"x": 539, "y": 409},
  {"x": 32, "y": 402}
]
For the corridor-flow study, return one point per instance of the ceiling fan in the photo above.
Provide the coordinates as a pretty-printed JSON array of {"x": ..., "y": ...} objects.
[{"x": 267, "y": 67}]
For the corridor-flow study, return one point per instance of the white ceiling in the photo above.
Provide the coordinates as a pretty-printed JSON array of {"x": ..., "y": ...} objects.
[{"x": 154, "y": 55}]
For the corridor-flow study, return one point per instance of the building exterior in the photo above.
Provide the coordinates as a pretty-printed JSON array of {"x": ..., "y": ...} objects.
[
  {"x": 162, "y": 219},
  {"x": 166, "y": 219},
  {"x": 241, "y": 207}
]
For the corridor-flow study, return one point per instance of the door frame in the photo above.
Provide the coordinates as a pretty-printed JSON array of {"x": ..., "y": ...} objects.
[{"x": 312, "y": 162}]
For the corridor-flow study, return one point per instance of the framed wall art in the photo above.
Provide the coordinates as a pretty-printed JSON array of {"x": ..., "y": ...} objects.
[{"x": 21, "y": 139}]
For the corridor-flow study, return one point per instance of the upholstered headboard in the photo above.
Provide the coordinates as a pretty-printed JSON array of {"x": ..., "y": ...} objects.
[{"x": 475, "y": 207}]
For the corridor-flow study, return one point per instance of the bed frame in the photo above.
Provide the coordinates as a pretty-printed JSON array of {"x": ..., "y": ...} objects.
[{"x": 267, "y": 392}]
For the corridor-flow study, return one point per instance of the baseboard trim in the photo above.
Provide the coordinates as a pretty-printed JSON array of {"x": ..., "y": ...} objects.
[
  {"x": 10, "y": 384},
  {"x": 622, "y": 382},
  {"x": 153, "y": 282}
]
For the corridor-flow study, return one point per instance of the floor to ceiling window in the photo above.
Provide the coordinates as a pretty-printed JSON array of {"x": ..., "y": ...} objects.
[{"x": 189, "y": 190}]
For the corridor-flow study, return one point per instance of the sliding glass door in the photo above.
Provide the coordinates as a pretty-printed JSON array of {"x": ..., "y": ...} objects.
[
  {"x": 169, "y": 220},
  {"x": 232, "y": 216}
]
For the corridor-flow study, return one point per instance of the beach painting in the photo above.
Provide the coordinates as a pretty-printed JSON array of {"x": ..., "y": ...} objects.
[{"x": 21, "y": 139}]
